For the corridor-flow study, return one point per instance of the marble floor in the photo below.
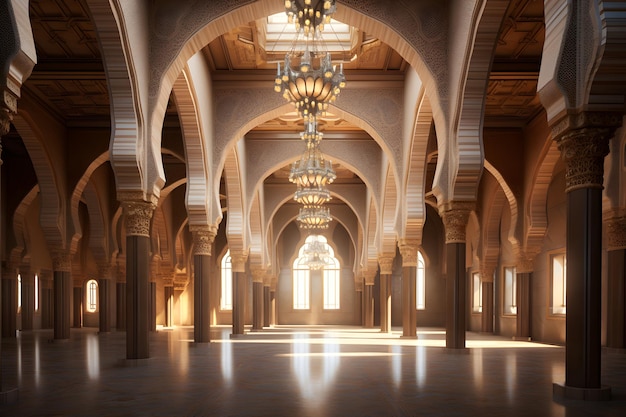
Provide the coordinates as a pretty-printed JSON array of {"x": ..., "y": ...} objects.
[{"x": 294, "y": 371}]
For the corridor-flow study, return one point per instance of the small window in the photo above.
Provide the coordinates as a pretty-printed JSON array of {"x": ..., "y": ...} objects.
[
  {"x": 558, "y": 285},
  {"x": 19, "y": 293},
  {"x": 420, "y": 283},
  {"x": 226, "y": 296},
  {"x": 510, "y": 291},
  {"x": 92, "y": 296},
  {"x": 36, "y": 292},
  {"x": 477, "y": 293}
]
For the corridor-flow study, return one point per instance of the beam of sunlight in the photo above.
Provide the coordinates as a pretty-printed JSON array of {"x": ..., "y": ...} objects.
[{"x": 93, "y": 357}]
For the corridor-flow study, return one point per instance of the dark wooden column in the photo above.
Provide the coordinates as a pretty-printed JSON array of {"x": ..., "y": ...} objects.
[
  {"x": 524, "y": 272},
  {"x": 266, "y": 303},
  {"x": 615, "y": 222},
  {"x": 46, "y": 302},
  {"x": 27, "y": 297},
  {"x": 258, "y": 275},
  {"x": 9, "y": 304},
  {"x": 385, "y": 263},
  {"x": 583, "y": 140},
  {"x": 408, "y": 250},
  {"x": 137, "y": 218},
  {"x": 77, "y": 305},
  {"x": 61, "y": 268},
  {"x": 455, "y": 215},
  {"x": 104, "y": 298},
  {"x": 120, "y": 295},
  {"x": 168, "y": 295},
  {"x": 368, "y": 300},
  {"x": 203, "y": 237},
  {"x": 240, "y": 280},
  {"x": 486, "y": 281}
]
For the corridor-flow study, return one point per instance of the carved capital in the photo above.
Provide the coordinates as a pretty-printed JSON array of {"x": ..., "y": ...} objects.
[
  {"x": 583, "y": 151},
  {"x": 615, "y": 221},
  {"x": 203, "y": 237},
  {"x": 137, "y": 216},
  {"x": 455, "y": 215},
  {"x": 585, "y": 119},
  {"x": 385, "y": 263},
  {"x": 61, "y": 261},
  {"x": 408, "y": 250},
  {"x": 525, "y": 263},
  {"x": 258, "y": 275},
  {"x": 104, "y": 270},
  {"x": 369, "y": 276},
  {"x": 8, "y": 109},
  {"x": 486, "y": 272},
  {"x": 238, "y": 260}
]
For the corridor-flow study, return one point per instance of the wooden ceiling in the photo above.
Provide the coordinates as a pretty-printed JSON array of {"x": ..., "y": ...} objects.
[{"x": 69, "y": 78}]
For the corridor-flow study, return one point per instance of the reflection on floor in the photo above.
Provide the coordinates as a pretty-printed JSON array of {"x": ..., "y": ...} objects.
[{"x": 294, "y": 371}]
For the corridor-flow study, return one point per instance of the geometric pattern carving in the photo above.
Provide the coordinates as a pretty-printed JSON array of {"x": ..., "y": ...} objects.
[
  {"x": 455, "y": 215},
  {"x": 137, "y": 216}
]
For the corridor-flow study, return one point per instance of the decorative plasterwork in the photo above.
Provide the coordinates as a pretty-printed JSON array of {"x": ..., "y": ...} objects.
[
  {"x": 455, "y": 215},
  {"x": 61, "y": 261},
  {"x": 137, "y": 216},
  {"x": 385, "y": 262},
  {"x": 203, "y": 237},
  {"x": 238, "y": 260},
  {"x": 408, "y": 249},
  {"x": 615, "y": 221}
]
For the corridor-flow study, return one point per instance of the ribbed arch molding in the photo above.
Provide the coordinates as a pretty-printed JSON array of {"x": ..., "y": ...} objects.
[
  {"x": 235, "y": 223},
  {"x": 387, "y": 224},
  {"x": 512, "y": 233},
  {"x": 98, "y": 228},
  {"x": 21, "y": 239}
]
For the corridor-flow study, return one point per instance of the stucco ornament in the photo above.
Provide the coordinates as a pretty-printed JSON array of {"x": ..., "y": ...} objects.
[
  {"x": 455, "y": 215},
  {"x": 203, "y": 237},
  {"x": 137, "y": 217},
  {"x": 408, "y": 249},
  {"x": 616, "y": 229},
  {"x": 386, "y": 264}
]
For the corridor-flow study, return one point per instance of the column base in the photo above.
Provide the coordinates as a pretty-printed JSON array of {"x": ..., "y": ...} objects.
[
  {"x": 456, "y": 351},
  {"x": 58, "y": 340},
  {"x": 521, "y": 338},
  {"x": 408, "y": 337},
  {"x": 560, "y": 391},
  {"x": 237, "y": 335},
  {"x": 9, "y": 396}
]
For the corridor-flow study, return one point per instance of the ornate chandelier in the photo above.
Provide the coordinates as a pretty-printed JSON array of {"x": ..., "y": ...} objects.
[
  {"x": 307, "y": 16},
  {"x": 312, "y": 170},
  {"x": 314, "y": 217},
  {"x": 312, "y": 82},
  {"x": 316, "y": 253}
]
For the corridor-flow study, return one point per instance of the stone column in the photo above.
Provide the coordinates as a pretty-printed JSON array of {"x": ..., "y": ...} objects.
[
  {"x": 257, "y": 298},
  {"x": 168, "y": 292},
  {"x": 104, "y": 298},
  {"x": 27, "y": 297},
  {"x": 368, "y": 300},
  {"x": 46, "y": 302},
  {"x": 9, "y": 304},
  {"x": 273, "y": 319},
  {"x": 137, "y": 217},
  {"x": 77, "y": 304},
  {"x": 385, "y": 263},
  {"x": 408, "y": 250},
  {"x": 239, "y": 259},
  {"x": 615, "y": 222},
  {"x": 486, "y": 281},
  {"x": 266, "y": 300},
  {"x": 203, "y": 237},
  {"x": 61, "y": 270},
  {"x": 120, "y": 296},
  {"x": 455, "y": 215},
  {"x": 583, "y": 140},
  {"x": 523, "y": 272}
]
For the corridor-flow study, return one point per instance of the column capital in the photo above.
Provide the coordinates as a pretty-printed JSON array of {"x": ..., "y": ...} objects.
[
  {"x": 61, "y": 261},
  {"x": 238, "y": 259},
  {"x": 8, "y": 108},
  {"x": 486, "y": 272},
  {"x": 585, "y": 119},
  {"x": 203, "y": 237},
  {"x": 525, "y": 263},
  {"x": 369, "y": 276},
  {"x": 258, "y": 274},
  {"x": 455, "y": 215},
  {"x": 385, "y": 262},
  {"x": 408, "y": 250},
  {"x": 104, "y": 270},
  {"x": 137, "y": 216},
  {"x": 583, "y": 151},
  {"x": 615, "y": 221}
]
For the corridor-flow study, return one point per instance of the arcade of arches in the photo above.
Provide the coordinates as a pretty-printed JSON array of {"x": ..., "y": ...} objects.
[{"x": 142, "y": 141}]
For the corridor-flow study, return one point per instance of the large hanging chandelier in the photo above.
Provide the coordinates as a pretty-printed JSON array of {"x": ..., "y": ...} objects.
[
  {"x": 308, "y": 78},
  {"x": 312, "y": 170},
  {"x": 316, "y": 253},
  {"x": 314, "y": 217}
]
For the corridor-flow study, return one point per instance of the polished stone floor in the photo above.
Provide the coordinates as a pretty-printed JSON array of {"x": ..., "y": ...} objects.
[{"x": 294, "y": 371}]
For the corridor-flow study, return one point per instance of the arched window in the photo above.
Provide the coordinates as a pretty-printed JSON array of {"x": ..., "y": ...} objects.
[
  {"x": 36, "y": 292},
  {"x": 316, "y": 254},
  {"x": 19, "y": 292},
  {"x": 226, "y": 296},
  {"x": 420, "y": 283},
  {"x": 92, "y": 295}
]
